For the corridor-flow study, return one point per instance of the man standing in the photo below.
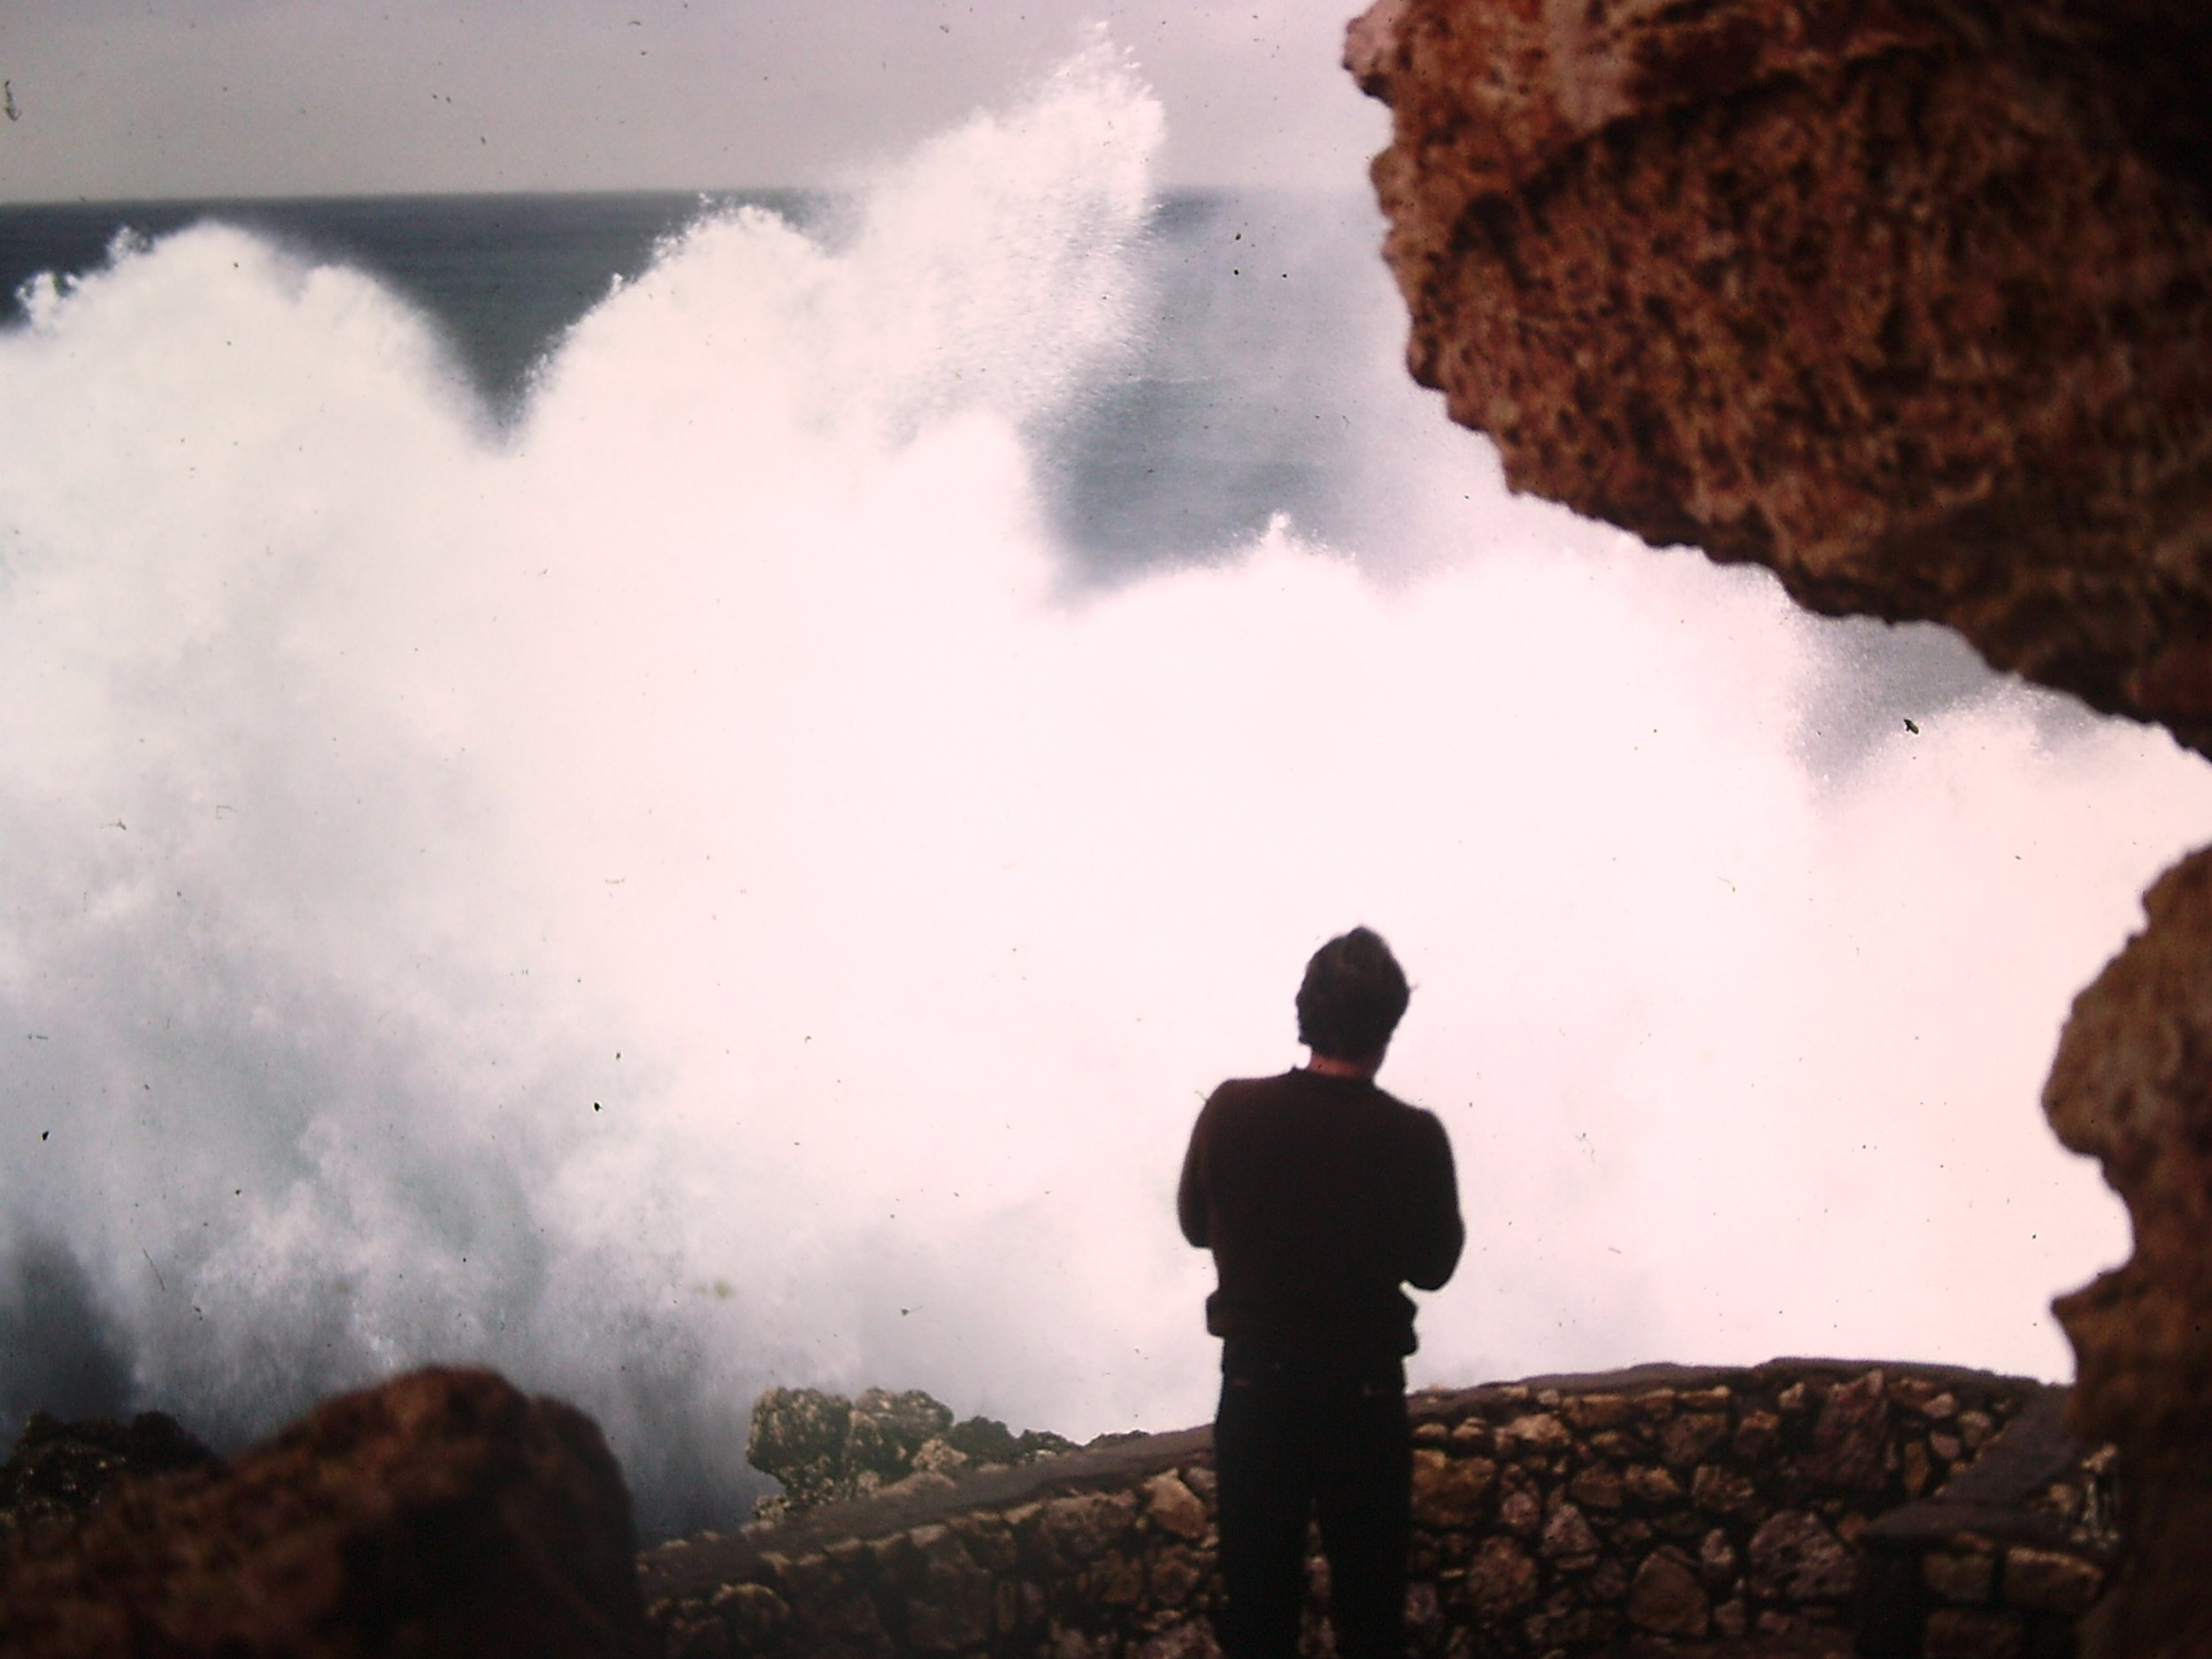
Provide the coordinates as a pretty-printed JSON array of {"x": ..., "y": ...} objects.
[{"x": 1319, "y": 1196}]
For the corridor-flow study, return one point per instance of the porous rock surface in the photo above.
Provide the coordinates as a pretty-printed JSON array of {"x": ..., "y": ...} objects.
[
  {"x": 443, "y": 1514},
  {"x": 2133, "y": 1085},
  {"x": 1909, "y": 300}
]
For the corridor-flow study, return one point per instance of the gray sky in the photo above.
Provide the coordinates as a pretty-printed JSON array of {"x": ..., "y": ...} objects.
[{"x": 142, "y": 98}]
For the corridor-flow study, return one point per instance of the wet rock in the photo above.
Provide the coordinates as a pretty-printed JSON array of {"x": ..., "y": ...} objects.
[{"x": 443, "y": 1513}]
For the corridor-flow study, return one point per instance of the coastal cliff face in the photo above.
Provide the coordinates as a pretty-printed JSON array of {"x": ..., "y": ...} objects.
[
  {"x": 1558, "y": 1517},
  {"x": 1911, "y": 302}
]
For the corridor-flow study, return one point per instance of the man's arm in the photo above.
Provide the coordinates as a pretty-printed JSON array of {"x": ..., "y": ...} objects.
[
  {"x": 1435, "y": 1233},
  {"x": 1191, "y": 1208}
]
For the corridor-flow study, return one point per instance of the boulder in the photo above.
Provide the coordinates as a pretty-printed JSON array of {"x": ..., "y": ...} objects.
[{"x": 443, "y": 1513}]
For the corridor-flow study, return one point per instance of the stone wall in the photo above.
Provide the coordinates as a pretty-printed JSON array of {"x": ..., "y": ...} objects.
[
  {"x": 2002, "y": 1562},
  {"x": 1552, "y": 1517}
]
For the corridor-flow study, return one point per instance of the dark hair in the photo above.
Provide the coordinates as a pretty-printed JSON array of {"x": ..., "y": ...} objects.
[{"x": 1352, "y": 997}]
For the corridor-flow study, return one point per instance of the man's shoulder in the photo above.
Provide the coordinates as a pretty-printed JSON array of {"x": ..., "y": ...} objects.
[{"x": 1239, "y": 1091}]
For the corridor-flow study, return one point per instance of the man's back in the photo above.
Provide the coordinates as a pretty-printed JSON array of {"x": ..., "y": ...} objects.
[{"x": 1319, "y": 1194}]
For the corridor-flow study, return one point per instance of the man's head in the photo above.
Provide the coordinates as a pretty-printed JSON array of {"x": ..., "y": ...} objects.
[{"x": 1352, "y": 997}]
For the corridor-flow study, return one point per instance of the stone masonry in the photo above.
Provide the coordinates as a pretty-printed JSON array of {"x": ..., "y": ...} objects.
[{"x": 1552, "y": 1517}]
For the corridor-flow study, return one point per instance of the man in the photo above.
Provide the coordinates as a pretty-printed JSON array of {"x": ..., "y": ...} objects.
[{"x": 1319, "y": 1196}]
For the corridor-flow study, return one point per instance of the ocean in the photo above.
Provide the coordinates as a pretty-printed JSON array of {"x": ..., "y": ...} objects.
[{"x": 672, "y": 792}]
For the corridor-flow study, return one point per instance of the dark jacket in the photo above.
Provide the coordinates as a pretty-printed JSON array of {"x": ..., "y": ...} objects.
[{"x": 1319, "y": 1196}]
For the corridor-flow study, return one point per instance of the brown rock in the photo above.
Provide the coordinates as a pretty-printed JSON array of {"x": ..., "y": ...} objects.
[
  {"x": 1450, "y": 1491},
  {"x": 1666, "y": 1598},
  {"x": 1567, "y": 1533},
  {"x": 953, "y": 1607},
  {"x": 1538, "y": 1433},
  {"x": 1756, "y": 1435},
  {"x": 1687, "y": 1438},
  {"x": 2046, "y": 1580},
  {"x": 1915, "y": 1467},
  {"x": 1174, "y": 1507},
  {"x": 58, "y": 1470},
  {"x": 2133, "y": 1085},
  {"x": 1597, "y": 1487},
  {"x": 1172, "y": 1576},
  {"x": 1499, "y": 1580},
  {"x": 1520, "y": 1510},
  {"x": 1851, "y": 1439},
  {"x": 442, "y": 1514},
  {"x": 1194, "y": 1639},
  {"x": 1960, "y": 1575},
  {"x": 1717, "y": 1558},
  {"x": 1959, "y": 1633},
  {"x": 1653, "y": 1485},
  {"x": 753, "y": 1613},
  {"x": 1609, "y": 1581},
  {"x": 1079, "y": 1528},
  {"x": 1909, "y": 302},
  {"x": 1721, "y": 1491},
  {"x": 1794, "y": 1556},
  {"x": 1597, "y": 1410}
]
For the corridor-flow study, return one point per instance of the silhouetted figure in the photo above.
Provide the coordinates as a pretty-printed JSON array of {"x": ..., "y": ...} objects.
[{"x": 1319, "y": 1196}]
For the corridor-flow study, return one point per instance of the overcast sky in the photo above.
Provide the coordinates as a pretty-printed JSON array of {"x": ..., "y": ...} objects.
[{"x": 119, "y": 99}]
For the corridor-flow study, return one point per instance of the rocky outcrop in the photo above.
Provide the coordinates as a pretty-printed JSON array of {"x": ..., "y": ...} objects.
[
  {"x": 823, "y": 1447},
  {"x": 2130, "y": 1087},
  {"x": 442, "y": 1514},
  {"x": 1911, "y": 300},
  {"x": 1558, "y": 1515},
  {"x": 58, "y": 1471}
]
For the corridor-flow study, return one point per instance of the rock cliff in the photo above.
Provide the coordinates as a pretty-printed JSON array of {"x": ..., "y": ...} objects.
[
  {"x": 1908, "y": 300},
  {"x": 1911, "y": 302}
]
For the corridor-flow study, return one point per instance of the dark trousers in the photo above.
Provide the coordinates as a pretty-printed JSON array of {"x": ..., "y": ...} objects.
[{"x": 1293, "y": 1442}]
